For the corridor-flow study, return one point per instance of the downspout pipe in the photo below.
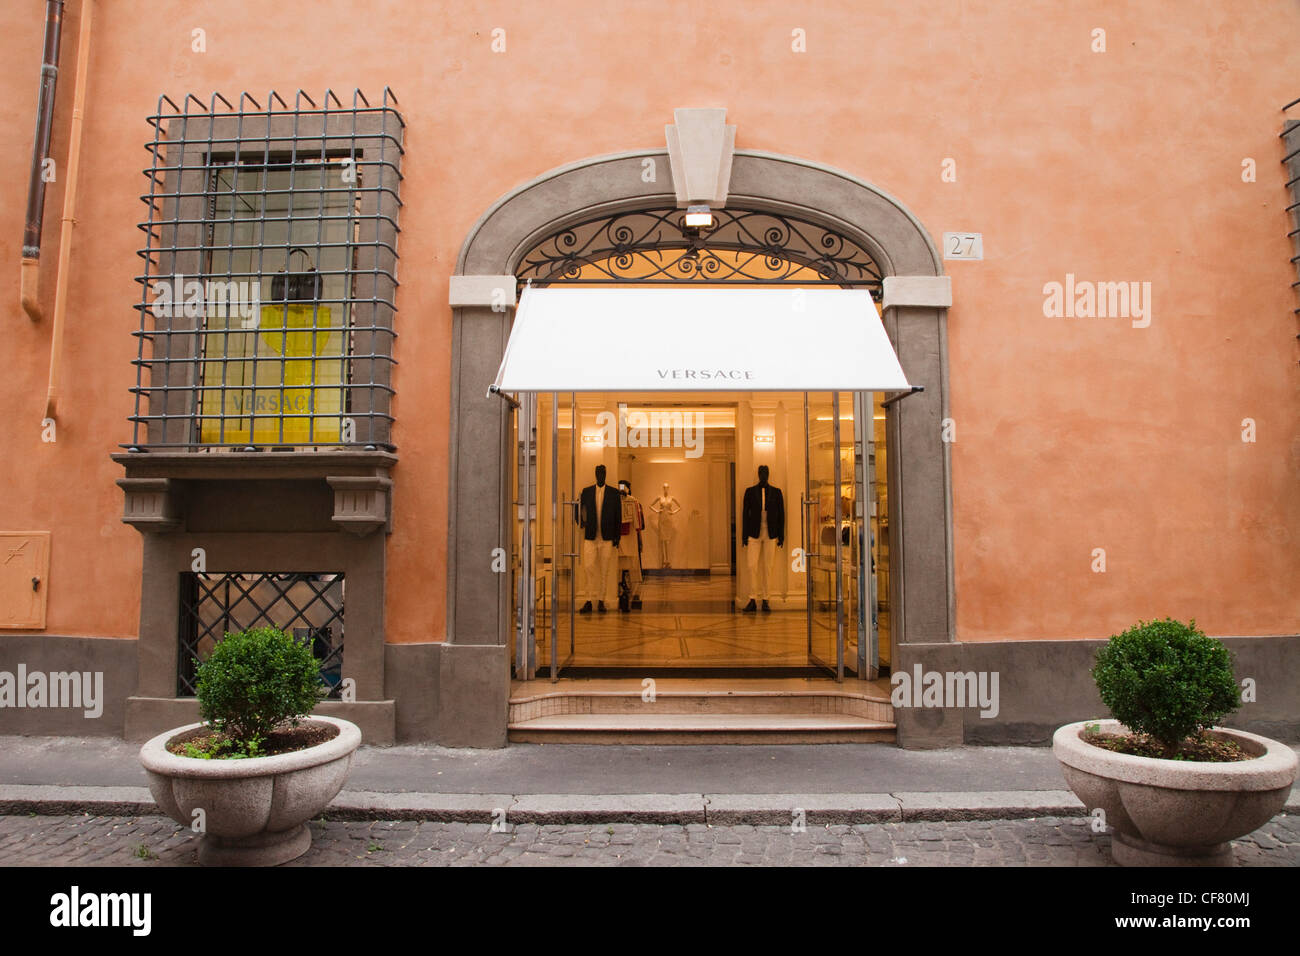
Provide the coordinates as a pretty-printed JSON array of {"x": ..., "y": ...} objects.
[
  {"x": 31, "y": 272},
  {"x": 69, "y": 209}
]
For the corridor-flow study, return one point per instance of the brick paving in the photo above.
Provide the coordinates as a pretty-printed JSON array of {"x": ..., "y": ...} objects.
[{"x": 1047, "y": 841}]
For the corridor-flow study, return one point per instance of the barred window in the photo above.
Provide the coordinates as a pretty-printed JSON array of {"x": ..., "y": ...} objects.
[
  {"x": 270, "y": 274},
  {"x": 308, "y": 605}
]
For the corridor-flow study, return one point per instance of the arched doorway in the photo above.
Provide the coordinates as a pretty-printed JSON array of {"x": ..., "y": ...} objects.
[
  {"x": 575, "y": 206},
  {"x": 811, "y": 600}
]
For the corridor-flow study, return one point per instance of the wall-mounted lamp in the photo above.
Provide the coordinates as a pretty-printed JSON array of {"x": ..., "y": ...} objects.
[
  {"x": 699, "y": 218},
  {"x": 764, "y": 439},
  {"x": 591, "y": 439}
]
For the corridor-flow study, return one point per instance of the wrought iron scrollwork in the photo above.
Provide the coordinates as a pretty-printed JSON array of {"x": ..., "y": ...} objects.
[{"x": 654, "y": 245}]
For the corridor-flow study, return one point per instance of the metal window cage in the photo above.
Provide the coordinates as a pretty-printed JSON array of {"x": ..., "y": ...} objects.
[
  {"x": 308, "y": 605},
  {"x": 1290, "y": 137},
  {"x": 270, "y": 255}
]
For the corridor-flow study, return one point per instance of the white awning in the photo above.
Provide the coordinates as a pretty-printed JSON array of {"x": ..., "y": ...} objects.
[{"x": 687, "y": 339}]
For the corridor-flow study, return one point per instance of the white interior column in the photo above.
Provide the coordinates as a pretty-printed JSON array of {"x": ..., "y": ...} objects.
[{"x": 795, "y": 490}]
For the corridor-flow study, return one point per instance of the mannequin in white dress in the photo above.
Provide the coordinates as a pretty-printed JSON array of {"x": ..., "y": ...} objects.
[{"x": 664, "y": 508}]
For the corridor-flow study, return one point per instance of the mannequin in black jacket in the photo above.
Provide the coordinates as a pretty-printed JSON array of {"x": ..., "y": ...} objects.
[
  {"x": 600, "y": 512},
  {"x": 762, "y": 519}
]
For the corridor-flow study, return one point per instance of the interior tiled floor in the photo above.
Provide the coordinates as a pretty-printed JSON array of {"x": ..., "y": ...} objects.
[{"x": 690, "y": 622}]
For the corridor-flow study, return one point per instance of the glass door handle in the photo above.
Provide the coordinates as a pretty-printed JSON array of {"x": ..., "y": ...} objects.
[
  {"x": 565, "y": 503},
  {"x": 809, "y": 530}
]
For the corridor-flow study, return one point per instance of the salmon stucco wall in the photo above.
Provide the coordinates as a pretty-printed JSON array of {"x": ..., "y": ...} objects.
[{"x": 1072, "y": 434}]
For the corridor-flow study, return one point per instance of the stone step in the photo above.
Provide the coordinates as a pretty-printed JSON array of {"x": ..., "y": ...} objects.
[
  {"x": 660, "y": 727},
  {"x": 827, "y": 704}
]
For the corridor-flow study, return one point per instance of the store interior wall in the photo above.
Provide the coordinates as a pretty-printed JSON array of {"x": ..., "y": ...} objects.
[
  {"x": 768, "y": 431},
  {"x": 699, "y": 484}
]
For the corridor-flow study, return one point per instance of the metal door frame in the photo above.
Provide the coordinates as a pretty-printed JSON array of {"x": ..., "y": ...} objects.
[
  {"x": 525, "y": 512},
  {"x": 809, "y": 533},
  {"x": 867, "y": 662},
  {"x": 525, "y": 508},
  {"x": 865, "y": 504},
  {"x": 560, "y": 508}
]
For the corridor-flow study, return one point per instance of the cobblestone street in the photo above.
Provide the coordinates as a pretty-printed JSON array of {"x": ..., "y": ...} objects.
[{"x": 1048, "y": 841}]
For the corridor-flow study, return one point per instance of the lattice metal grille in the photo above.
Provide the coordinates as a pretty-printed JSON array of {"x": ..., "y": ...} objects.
[
  {"x": 306, "y": 605},
  {"x": 270, "y": 256},
  {"x": 654, "y": 245}
]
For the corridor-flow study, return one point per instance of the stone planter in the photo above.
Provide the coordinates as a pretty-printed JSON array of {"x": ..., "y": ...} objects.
[
  {"x": 1176, "y": 812},
  {"x": 255, "y": 811}
]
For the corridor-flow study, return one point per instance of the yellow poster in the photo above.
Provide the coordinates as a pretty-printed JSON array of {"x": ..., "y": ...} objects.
[{"x": 269, "y": 373}]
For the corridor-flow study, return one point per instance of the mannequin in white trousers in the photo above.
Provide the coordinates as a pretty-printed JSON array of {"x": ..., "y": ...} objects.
[
  {"x": 599, "y": 559},
  {"x": 763, "y": 531},
  {"x": 759, "y": 553}
]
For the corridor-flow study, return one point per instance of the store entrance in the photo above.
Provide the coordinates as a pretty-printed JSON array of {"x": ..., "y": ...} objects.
[{"x": 690, "y": 532}]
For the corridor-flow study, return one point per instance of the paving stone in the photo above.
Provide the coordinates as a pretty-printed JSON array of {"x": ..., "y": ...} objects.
[{"x": 1053, "y": 841}]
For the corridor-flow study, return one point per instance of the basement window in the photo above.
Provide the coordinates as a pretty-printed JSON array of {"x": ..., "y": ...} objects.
[{"x": 308, "y": 605}]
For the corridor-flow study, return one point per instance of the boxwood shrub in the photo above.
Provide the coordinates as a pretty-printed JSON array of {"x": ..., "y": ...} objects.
[
  {"x": 254, "y": 681},
  {"x": 1166, "y": 679}
]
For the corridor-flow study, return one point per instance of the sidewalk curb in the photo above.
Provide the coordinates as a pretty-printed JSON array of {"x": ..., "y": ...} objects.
[
  {"x": 48, "y": 801},
  {"x": 757, "y": 809},
  {"x": 561, "y": 808}
]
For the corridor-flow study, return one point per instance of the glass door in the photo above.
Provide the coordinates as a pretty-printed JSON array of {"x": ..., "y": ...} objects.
[
  {"x": 854, "y": 558},
  {"x": 821, "y": 544},
  {"x": 545, "y": 545},
  {"x": 867, "y": 509},
  {"x": 557, "y": 639},
  {"x": 878, "y": 485},
  {"x": 525, "y": 536},
  {"x": 838, "y": 628}
]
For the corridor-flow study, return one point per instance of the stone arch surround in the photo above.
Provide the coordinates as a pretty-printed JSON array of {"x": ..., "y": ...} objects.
[{"x": 474, "y": 670}]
